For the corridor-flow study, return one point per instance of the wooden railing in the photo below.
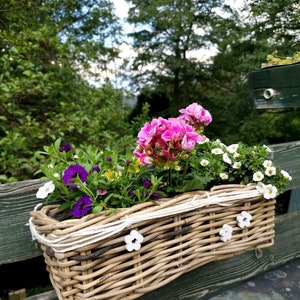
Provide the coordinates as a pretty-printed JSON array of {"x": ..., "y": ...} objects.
[{"x": 18, "y": 199}]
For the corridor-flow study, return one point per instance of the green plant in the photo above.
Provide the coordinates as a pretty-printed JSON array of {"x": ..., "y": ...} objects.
[
  {"x": 171, "y": 156},
  {"x": 274, "y": 59}
]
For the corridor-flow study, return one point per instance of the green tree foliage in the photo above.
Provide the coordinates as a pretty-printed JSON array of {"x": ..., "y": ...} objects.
[
  {"x": 279, "y": 21},
  {"x": 46, "y": 46},
  {"x": 166, "y": 32}
]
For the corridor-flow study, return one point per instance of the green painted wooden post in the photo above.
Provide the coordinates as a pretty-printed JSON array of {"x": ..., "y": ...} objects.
[
  {"x": 275, "y": 87},
  {"x": 16, "y": 201}
]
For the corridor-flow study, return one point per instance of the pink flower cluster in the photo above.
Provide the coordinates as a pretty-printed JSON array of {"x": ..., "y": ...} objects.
[
  {"x": 164, "y": 141},
  {"x": 196, "y": 116}
]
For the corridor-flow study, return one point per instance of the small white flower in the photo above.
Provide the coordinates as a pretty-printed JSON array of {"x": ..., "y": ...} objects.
[
  {"x": 243, "y": 219},
  {"x": 217, "y": 151},
  {"x": 224, "y": 176},
  {"x": 267, "y": 163},
  {"x": 227, "y": 159},
  {"x": 286, "y": 175},
  {"x": 237, "y": 165},
  {"x": 75, "y": 156},
  {"x": 271, "y": 171},
  {"x": 260, "y": 187},
  {"x": 270, "y": 151},
  {"x": 258, "y": 176},
  {"x": 133, "y": 241},
  {"x": 50, "y": 166},
  {"x": 56, "y": 175},
  {"x": 44, "y": 190},
  {"x": 236, "y": 155},
  {"x": 232, "y": 148},
  {"x": 270, "y": 191},
  {"x": 204, "y": 162},
  {"x": 225, "y": 233}
]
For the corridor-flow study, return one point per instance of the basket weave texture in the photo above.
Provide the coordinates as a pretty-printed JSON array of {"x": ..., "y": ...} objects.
[{"x": 87, "y": 259}]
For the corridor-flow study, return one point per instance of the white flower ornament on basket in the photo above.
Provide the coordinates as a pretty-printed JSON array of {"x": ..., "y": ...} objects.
[
  {"x": 244, "y": 219},
  {"x": 133, "y": 241},
  {"x": 226, "y": 233}
]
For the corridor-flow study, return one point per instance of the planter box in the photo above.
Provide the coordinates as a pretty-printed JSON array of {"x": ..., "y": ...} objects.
[{"x": 93, "y": 257}]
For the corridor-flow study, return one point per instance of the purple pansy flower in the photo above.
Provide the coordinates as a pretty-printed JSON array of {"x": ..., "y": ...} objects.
[
  {"x": 82, "y": 206},
  {"x": 95, "y": 168},
  {"x": 72, "y": 172},
  {"x": 147, "y": 183},
  {"x": 108, "y": 158},
  {"x": 155, "y": 195},
  {"x": 65, "y": 148},
  {"x": 131, "y": 193}
]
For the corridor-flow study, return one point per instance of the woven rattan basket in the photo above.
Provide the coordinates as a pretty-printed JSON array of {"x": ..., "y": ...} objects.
[{"x": 87, "y": 257}]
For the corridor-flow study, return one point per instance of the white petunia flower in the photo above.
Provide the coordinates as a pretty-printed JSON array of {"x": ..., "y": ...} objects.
[
  {"x": 224, "y": 176},
  {"x": 258, "y": 176},
  {"x": 269, "y": 150},
  {"x": 243, "y": 219},
  {"x": 232, "y": 148},
  {"x": 204, "y": 162},
  {"x": 217, "y": 151},
  {"x": 227, "y": 159},
  {"x": 267, "y": 163},
  {"x": 271, "y": 171},
  {"x": 260, "y": 187},
  {"x": 270, "y": 191},
  {"x": 225, "y": 233},
  {"x": 286, "y": 175},
  {"x": 133, "y": 241},
  {"x": 44, "y": 190},
  {"x": 237, "y": 165}
]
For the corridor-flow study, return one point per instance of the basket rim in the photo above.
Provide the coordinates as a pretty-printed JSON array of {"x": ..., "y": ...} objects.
[{"x": 97, "y": 227}]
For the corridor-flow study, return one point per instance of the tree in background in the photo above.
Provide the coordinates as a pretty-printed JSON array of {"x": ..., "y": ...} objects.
[
  {"x": 166, "y": 33},
  {"x": 46, "y": 46}
]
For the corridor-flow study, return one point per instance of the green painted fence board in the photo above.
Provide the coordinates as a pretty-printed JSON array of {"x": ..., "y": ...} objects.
[
  {"x": 16, "y": 201},
  {"x": 283, "y": 81},
  {"x": 287, "y": 156}
]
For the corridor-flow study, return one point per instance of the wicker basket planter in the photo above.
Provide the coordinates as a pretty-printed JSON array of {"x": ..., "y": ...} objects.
[{"x": 91, "y": 257}]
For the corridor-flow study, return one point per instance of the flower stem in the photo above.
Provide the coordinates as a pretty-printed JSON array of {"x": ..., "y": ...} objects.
[{"x": 170, "y": 176}]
